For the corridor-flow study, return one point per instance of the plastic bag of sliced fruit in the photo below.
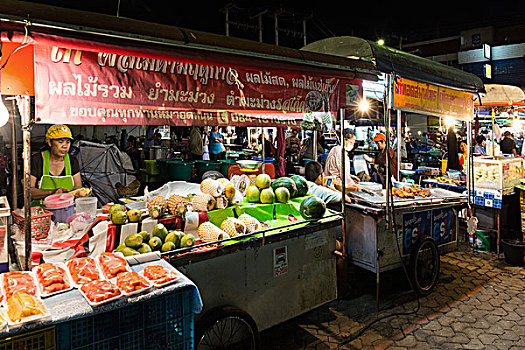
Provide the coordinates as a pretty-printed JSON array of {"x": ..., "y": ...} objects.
[{"x": 52, "y": 278}]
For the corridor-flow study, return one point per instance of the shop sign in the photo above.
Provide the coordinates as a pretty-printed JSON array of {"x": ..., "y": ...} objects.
[
  {"x": 426, "y": 98},
  {"x": 100, "y": 87}
]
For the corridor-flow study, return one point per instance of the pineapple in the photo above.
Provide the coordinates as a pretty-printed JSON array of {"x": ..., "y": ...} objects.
[
  {"x": 160, "y": 201},
  {"x": 212, "y": 187},
  {"x": 203, "y": 202},
  {"x": 252, "y": 224},
  {"x": 174, "y": 203},
  {"x": 208, "y": 232},
  {"x": 233, "y": 227},
  {"x": 181, "y": 210}
]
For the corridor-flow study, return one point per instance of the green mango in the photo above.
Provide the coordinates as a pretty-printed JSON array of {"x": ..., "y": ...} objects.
[
  {"x": 144, "y": 248},
  {"x": 134, "y": 240},
  {"x": 187, "y": 241}
]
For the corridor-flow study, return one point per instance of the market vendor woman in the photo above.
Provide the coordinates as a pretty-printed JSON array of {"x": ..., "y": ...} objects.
[{"x": 54, "y": 170}]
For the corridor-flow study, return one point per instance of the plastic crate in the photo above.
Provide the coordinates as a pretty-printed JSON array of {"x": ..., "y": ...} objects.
[
  {"x": 165, "y": 322},
  {"x": 41, "y": 339},
  {"x": 40, "y": 223}
]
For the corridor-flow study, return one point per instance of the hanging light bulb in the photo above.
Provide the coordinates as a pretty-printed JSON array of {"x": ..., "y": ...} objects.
[
  {"x": 364, "y": 105},
  {"x": 4, "y": 114}
]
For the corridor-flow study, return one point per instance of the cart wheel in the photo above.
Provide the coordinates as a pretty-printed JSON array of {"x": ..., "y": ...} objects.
[
  {"x": 424, "y": 265},
  {"x": 227, "y": 327}
]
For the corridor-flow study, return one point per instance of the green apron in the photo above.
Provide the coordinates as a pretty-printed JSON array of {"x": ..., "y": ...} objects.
[{"x": 50, "y": 182}]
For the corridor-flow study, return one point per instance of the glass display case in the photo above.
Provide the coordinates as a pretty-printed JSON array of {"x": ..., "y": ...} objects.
[{"x": 497, "y": 173}]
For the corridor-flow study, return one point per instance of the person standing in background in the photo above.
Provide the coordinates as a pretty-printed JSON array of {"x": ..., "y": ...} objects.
[
  {"x": 216, "y": 144},
  {"x": 463, "y": 158},
  {"x": 480, "y": 145},
  {"x": 205, "y": 144},
  {"x": 293, "y": 144},
  {"x": 307, "y": 152},
  {"x": 195, "y": 145},
  {"x": 133, "y": 152},
  {"x": 334, "y": 164},
  {"x": 452, "y": 148},
  {"x": 149, "y": 140},
  {"x": 508, "y": 145}
]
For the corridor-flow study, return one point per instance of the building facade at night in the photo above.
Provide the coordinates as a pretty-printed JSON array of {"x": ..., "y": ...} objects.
[{"x": 474, "y": 50}]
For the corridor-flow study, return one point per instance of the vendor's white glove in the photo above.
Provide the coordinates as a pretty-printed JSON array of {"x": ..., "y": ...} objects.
[{"x": 368, "y": 158}]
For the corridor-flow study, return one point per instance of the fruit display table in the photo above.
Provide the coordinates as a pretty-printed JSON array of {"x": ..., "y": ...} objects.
[{"x": 161, "y": 318}]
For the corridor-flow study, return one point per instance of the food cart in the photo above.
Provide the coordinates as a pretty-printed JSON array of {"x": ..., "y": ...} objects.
[
  {"x": 495, "y": 177},
  {"x": 382, "y": 228},
  {"x": 96, "y": 70}
]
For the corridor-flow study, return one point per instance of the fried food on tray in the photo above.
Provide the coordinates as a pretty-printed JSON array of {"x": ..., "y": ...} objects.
[{"x": 411, "y": 192}]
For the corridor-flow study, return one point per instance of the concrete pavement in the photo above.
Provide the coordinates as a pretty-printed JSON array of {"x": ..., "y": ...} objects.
[{"x": 479, "y": 303}]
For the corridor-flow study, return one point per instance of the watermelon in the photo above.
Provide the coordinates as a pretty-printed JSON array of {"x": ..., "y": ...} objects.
[
  {"x": 287, "y": 183},
  {"x": 301, "y": 184},
  {"x": 312, "y": 207}
]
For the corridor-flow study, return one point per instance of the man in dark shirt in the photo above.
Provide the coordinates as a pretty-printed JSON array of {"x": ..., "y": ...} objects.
[{"x": 508, "y": 145}]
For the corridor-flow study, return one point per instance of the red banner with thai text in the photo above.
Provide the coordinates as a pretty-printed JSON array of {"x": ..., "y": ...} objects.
[{"x": 74, "y": 86}]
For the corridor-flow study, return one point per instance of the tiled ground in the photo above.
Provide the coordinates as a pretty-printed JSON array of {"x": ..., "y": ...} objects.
[{"x": 479, "y": 303}]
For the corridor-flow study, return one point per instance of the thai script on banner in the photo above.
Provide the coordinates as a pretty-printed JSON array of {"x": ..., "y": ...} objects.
[
  {"x": 179, "y": 117},
  {"x": 88, "y": 87},
  {"x": 423, "y": 97}
]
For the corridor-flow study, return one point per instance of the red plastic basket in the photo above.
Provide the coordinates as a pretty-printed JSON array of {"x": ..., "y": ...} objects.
[{"x": 40, "y": 224}]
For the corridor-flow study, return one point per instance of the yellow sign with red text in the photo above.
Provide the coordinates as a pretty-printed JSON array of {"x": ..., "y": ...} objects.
[{"x": 414, "y": 96}]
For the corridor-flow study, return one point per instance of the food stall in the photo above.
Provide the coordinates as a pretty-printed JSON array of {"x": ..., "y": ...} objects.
[
  {"x": 406, "y": 222},
  {"x": 100, "y": 70},
  {"x": 495, "y": 176}
]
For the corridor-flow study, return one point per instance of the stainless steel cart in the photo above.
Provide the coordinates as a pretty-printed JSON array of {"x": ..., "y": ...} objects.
[
  {"x": 253, "y": 285},
  {"x": 423, "y": 226}
]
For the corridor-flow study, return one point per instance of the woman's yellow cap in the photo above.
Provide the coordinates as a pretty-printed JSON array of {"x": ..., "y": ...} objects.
[{"x": 59, "y": 132}]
